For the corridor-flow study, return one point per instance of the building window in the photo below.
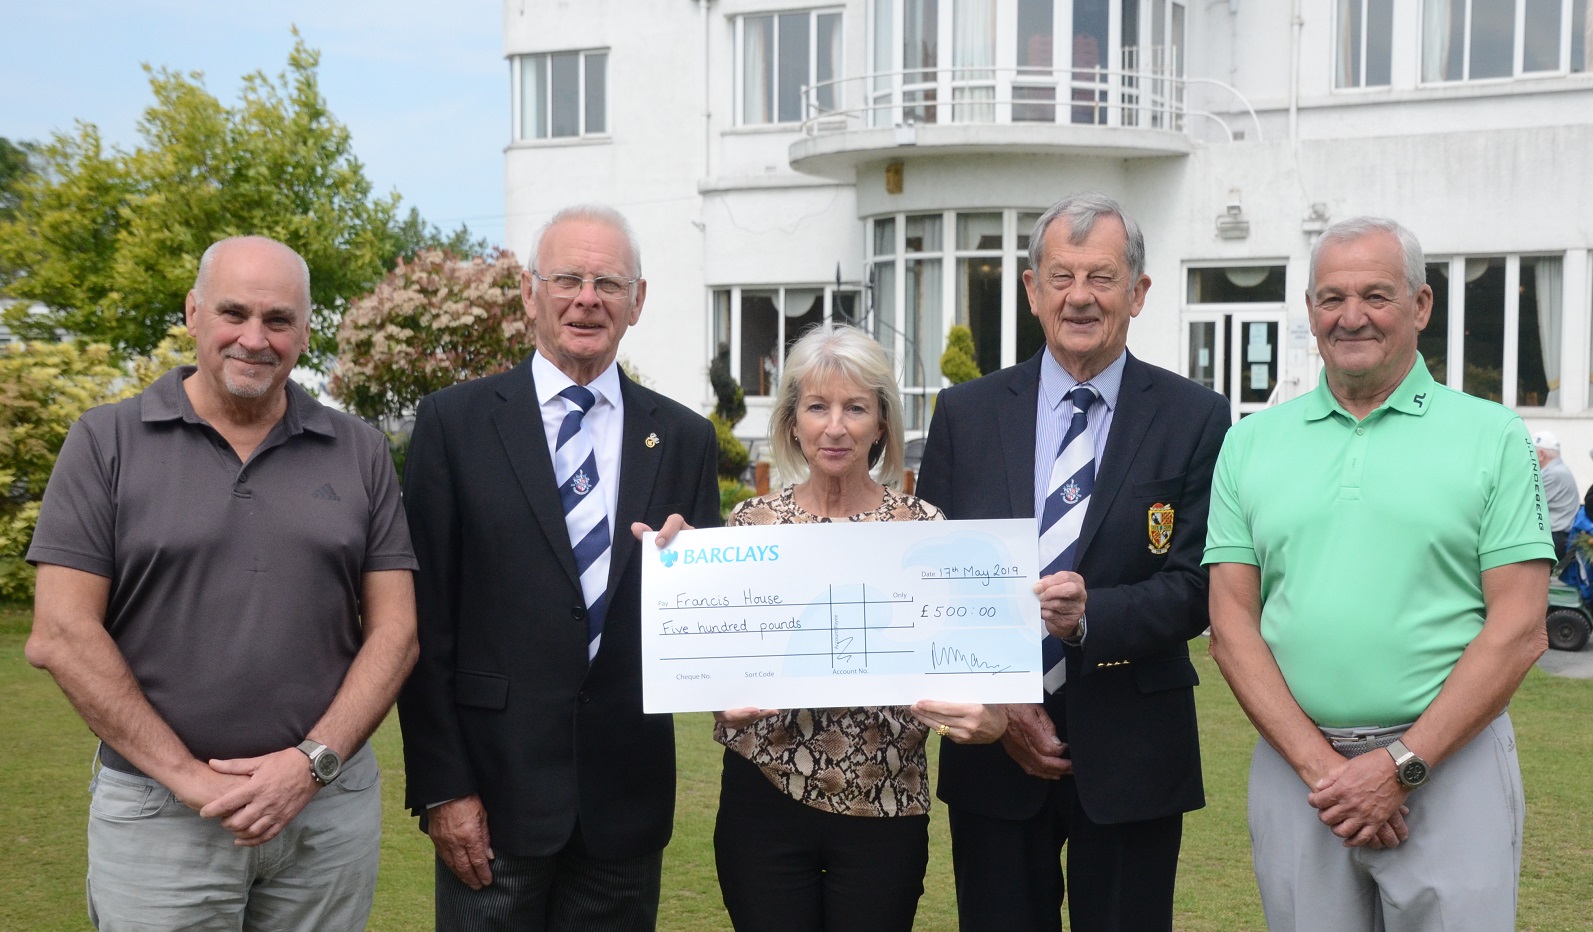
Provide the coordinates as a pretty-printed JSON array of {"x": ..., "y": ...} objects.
[
  {"x": 1365, "y": 43},
  {"x": 1501, "y": 316},
  {"x": 1472, "y": 40},
  {"x": 561, "y": 95},
  {"x": 978, "y": 304},
  {"x": 1107, "y": 62},
  {"x": 782, "y": 53},
  {"x": 757, "y": 325},
  {"x": 921, "y": 327}
]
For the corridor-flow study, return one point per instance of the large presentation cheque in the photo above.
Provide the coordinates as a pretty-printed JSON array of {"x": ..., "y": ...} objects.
[{"x": 837, "y": 615}]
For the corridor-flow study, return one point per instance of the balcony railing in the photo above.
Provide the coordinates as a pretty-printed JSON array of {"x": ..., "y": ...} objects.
[
  {"x": 1139, "y": 97},
  {"x": 1143, "y": 95}
]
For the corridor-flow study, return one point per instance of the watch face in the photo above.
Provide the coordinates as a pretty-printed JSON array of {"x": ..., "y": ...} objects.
[
  {"x": 1414, "y": 773},
  {"x": 326, "y": 765}
]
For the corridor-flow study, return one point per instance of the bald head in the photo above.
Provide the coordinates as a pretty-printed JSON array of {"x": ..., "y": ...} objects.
[
  {"x": 598, "y": 214},
  {"x": 249, "y": 315},
  {"x": 250, "y": 244}
]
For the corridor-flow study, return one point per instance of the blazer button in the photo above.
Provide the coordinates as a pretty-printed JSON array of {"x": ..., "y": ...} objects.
[
  {"x": 582, "y": 696},
  {"x": 578, "y": 613}
]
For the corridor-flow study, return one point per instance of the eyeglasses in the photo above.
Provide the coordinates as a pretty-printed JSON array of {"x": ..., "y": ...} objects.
[{"x": 566, "y": 285}]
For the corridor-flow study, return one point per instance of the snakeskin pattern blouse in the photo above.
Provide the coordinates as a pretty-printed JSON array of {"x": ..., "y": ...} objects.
[{"x": 864, "y": 762}]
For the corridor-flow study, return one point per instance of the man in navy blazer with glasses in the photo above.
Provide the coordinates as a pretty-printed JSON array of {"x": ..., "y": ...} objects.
[
  {"x": 548, "y": 794},
  {"x": 1115, "y": 456}
]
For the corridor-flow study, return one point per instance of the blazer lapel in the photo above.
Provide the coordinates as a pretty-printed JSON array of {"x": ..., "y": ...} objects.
[
  {"x": 519, "y": 423},
  {"x": 639, "y": 465},
  {"x": 1016, "y": 424},
  {"x": 1131, "y": 422}
]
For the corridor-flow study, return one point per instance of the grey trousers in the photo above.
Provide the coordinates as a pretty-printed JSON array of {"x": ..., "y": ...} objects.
[
  {"x": 155, "y": 864},
  {"x": 1457, "y": 871}
]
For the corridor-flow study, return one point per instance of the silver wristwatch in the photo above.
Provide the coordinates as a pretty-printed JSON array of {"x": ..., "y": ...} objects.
[
  {"x": 325, "y": 765},
  {"x": 1411, "y": 770}
]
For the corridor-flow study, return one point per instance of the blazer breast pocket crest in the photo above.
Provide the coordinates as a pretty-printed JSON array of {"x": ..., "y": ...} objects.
[{"x": 1159, "y": 525}]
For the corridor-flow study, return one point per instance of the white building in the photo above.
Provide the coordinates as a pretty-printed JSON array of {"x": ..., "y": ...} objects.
[{"x": 881, "y": 161}]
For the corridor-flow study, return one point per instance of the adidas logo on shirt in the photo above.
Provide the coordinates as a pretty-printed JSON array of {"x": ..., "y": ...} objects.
[{"x": 326, "y": 492}]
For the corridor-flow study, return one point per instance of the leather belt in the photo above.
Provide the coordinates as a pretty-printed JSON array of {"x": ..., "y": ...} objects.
[{"x": 109, "y": 758}]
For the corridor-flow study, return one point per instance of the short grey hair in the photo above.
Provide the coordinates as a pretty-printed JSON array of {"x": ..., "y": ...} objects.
[
  {"x": 207, "y": 263},
  {"x": 847, "y": 353},
  {"x": 1081, "y": 211},
  {"x": 592, "y": 213},
  {"x": 1354, "y": 228}
]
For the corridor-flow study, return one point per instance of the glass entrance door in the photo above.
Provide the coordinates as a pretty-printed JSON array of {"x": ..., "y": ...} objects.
[
  {"x": 1236, "y": 354},
  {"x": 1255, "y": 363}
]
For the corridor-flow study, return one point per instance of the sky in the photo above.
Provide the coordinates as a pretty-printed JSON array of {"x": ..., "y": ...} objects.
[{"x": 422, "y": 85}]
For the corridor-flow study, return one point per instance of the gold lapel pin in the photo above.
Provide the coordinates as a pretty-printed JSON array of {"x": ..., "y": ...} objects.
[{"x": 651, "y": 441}]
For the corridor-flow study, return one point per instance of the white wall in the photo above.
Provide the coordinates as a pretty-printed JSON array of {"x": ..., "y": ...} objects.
[{"x": 1479, "y": 168}]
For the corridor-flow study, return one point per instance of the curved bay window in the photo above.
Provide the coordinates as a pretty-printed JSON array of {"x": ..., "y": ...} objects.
[{"x": 923, "y": 281}]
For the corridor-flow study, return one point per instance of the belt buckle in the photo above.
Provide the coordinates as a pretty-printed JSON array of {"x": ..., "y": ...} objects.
[{"x": 1356, "y": 745}]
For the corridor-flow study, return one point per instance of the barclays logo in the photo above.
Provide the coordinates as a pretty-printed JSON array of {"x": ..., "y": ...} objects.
[{"x": 689, "y": 556}]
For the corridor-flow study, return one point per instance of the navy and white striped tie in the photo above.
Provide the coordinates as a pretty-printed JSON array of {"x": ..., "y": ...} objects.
[
  {"x": 575, "y": 465},
  {"x": 1067, "y": 498}
]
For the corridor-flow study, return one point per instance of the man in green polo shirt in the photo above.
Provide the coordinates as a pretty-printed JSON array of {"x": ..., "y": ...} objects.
[{"x": 1379, "y": 554}]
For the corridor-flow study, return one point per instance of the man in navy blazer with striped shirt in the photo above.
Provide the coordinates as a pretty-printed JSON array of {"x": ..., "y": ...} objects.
[
  {"x": 1109, "y": 763},
  {"x": 548, "y": 794}
]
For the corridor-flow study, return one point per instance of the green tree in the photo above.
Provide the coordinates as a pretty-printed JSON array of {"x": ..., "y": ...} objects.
[
  {"x": 431, "y": 322},
  {"x": 414, "y": 235},
  {"x": 61, "y": 238},
  {"x": 16, "y": 165},
  {"x": 110, "y": 242},
  {"x": 730, "y": 407},
  {"x": 957, "y": 363}
]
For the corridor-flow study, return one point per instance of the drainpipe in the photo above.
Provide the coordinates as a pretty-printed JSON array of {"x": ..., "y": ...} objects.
[
  {"x": 1296, "y": 24},
  {"x": 707, "y": 91},
  {"x": 701, "y": 223}
]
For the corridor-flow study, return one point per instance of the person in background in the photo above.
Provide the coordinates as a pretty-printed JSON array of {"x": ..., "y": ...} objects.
[
  {"x": 1559, "y": 485},
  {"x": 823, "y": 813}
]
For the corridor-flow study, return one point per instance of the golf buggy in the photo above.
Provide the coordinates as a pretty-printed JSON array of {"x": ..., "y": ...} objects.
[
  {"x": 1569, "y": 621},
  {"x": 1571, "y": 589}
]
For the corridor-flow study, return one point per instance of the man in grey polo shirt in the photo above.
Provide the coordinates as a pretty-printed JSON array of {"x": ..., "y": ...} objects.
[{"x": 225, "y": 595}]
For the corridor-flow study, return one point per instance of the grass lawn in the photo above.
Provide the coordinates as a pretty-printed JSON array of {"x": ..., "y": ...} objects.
[{"x": 44, "y": 776}]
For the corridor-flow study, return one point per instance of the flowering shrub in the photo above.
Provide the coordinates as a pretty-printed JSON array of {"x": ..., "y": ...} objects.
[
  {"x": 432, "y": 322},
  {"x": 44, "y": 388}
]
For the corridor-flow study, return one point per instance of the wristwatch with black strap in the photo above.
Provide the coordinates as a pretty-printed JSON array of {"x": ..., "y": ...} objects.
[
  {"x": 1411, "y": 770},
  {"x": 325, "y": 764}
]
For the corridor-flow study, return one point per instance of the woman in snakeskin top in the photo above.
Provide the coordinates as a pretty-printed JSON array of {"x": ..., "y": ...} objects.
[{"x": 823, "y": 813}]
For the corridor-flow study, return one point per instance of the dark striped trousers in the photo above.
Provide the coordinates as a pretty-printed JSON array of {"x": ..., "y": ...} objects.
[{"x": 570, "y": 891}]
